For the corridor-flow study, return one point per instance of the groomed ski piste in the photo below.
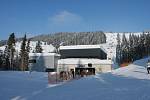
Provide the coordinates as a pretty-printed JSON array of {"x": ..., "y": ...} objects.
[{"x": 126, "y": 83}]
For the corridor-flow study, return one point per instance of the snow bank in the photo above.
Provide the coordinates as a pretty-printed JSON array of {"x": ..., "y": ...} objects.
[
  {"x": 15, "y": 85},
  {"x": 135, "y": 70}
]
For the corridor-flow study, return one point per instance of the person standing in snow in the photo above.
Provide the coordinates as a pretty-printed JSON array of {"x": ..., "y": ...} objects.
[{"x": 148, "y": 66}]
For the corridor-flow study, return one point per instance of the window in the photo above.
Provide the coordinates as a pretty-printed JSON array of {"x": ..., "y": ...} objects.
[
  {"x": 89, "y": 65},
  {"x": 32, "y": 61}
]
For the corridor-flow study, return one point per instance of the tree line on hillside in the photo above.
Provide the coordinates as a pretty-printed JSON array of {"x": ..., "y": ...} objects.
[
  {"x": 80, "y": 38},
  {"x": 133, "y": 48},
  {"x": 11, "y": 59}
]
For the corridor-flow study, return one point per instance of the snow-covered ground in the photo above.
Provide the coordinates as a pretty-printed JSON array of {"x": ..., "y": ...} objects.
[
  {"x": 135, "y": 70},
  {"x": 127, "y": 83},
  {"x": 15, "y": 85}
]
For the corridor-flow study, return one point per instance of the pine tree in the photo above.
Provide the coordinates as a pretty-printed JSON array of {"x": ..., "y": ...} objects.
[
  {"x": 118, "y": 49},
  {"x": 125, "y": 49},
  {"x": 141, "y": 45},
  {"x": 28, "y": 51},
  {"x": 11, "y": 46},
  {"x": 135, "y": 47},
  {"x": 38, "y": 48},
  {"x": 6, "y": 62},
  {"x": 1, "y": 60},
  {"x": 145, "y": 53},
  {"x": 148, "y": 43},
  {"x": 131, "y": 49},
  {"x": 23, "y": 55},
  {"x": 28, "y": 46},
  {"x": 17, "y": 61}
]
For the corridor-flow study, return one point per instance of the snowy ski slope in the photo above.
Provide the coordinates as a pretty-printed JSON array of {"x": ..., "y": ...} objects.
[{"x": 128, "y": 83}]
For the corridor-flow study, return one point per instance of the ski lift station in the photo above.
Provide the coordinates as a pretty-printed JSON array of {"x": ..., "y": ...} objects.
[
  {"x": 87, "y": 58},
  {"x": 78, "y": 58}
]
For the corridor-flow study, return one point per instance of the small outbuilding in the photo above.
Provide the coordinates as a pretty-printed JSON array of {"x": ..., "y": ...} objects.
[{"x": 42, "y": 62}]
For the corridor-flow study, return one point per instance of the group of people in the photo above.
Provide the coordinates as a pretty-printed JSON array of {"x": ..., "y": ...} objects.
[{"x": 67, "y": 75}]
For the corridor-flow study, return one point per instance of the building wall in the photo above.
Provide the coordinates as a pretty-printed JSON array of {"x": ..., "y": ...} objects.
[
  {"x": 103, "y": 68},
  {"x": 65, "y": 67},
  {"x": 98, "y": 67},
  {"x": 56, "y": 58},
  {"x": 42, "y": 62}
]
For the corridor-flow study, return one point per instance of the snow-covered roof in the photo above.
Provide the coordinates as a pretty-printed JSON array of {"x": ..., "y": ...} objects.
[
  {"x": 77, "y": 61},
  {"x": 79, "y": 47},
  {"x": 110, "y": 49},
  {"x": 101, "y": 46},
  {"x": 48, "y": 48},
  {"x": 43, "y": 54}
]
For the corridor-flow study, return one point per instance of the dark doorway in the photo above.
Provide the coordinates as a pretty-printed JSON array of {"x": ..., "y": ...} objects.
[
  {"x": 72, "y": 73},
  {"x": 84, "y": 71}
]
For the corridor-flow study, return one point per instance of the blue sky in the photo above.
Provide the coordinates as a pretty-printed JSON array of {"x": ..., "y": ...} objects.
[{"x": 35, "y": 17}]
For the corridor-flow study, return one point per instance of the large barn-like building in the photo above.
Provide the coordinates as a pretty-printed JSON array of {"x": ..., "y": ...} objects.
[{"x": 89, "y": 58}]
